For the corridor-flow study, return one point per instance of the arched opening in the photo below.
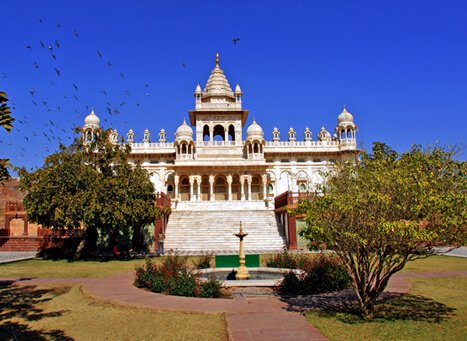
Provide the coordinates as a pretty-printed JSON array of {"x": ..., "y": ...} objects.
[
  {"x": 236, "y": 189},
  {"x": 204, "y": 188},
  {"x": 283, "y": 183},
  {"x": 255, "y": 148},
  {"x": 302, "y": 187},
  {"x": 231, "y": 133},
  {"x": 185, "y": 189},
  {"x": 16, "y": 227},
  {"x": 170, "y": 186},
  {"x": 206, "y": 136},
  {"x": 270, "y": 190},
  {"x": 184, "y": 150},
  {"x": 220, "y": 188},
  {"x": 256, "y": 188},
  {"x": 219, "y": 133}
]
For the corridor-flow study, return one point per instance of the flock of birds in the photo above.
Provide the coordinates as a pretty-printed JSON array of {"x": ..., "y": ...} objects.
[{"x": 53, "y": 130}]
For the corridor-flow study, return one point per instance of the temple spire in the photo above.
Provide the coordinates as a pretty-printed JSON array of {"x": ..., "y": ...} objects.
[{"x": 217, "y": 59}]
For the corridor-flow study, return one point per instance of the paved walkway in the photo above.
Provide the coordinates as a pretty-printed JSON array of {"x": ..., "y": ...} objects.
[
  {"x": 248, "y": 318},
  {"x": 14, "y": 256}
]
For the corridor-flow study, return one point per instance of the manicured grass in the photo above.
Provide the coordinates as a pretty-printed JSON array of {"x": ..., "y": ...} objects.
[
  {"x": 436, "y": 309},
  {"x": 437, "y": 264},
  {"x": 65, "y": 313},
  {"x": 64, "y": 269}
]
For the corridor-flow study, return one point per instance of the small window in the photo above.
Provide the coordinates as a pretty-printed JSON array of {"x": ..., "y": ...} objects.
[
  {"x": 301, "y": 160},
  {"x": 270, "y": 160},
  {"x": 170, "y": 189},
  {"x": 285, "y": 160},
  {"x": 154, "y": 161},
  {"x": 270, "y": 188},
  {"x": 316, "y": 160},
  {"x": 332, "y": 160}
]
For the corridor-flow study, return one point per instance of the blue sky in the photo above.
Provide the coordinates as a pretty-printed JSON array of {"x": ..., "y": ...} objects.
[{"x": 399, "y": 66}]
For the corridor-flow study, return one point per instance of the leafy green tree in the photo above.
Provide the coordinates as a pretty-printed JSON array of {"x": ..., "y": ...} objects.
[
  {"x": 387, "y": 209},
  {"x": 6, "y": 121},
  {"x": 93, "y": 186}
]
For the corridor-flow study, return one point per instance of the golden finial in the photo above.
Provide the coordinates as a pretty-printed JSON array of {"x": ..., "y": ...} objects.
[{"x": 217, "y": 59}]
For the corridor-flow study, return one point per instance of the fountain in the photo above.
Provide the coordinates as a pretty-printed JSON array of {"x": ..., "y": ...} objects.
[
  {"x": 242, "y": 272},
  {"x": 244, "y": 277}
]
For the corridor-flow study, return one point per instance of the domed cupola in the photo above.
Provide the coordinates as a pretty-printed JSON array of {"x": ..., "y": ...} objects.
[
  {"x": 92, "y": 121},
  {"x": 184, "y": 132},
  {"x": 346, "y": 128},
  {"x": 345, "y": 118},
  {"x": 324, "y": 135},
  {"x": 254, "y": 131}
]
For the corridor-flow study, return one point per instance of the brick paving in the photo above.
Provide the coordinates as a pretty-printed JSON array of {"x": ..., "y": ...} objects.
[{"x": 248, "y": 317}]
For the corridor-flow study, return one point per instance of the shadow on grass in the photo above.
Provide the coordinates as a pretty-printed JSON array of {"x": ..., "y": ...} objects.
[
  {"x": 22, "y": 302},
  {"x": 390, "y": 307}
]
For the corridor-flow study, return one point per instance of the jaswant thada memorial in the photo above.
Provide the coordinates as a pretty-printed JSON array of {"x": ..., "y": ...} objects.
[{"x": 217, "y": 176}]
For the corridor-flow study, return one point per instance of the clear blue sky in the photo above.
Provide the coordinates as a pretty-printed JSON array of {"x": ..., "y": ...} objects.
[{"x": 399, "y": 66}]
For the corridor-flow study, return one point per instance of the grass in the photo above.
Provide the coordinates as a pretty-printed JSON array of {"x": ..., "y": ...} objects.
[
  {"x": 65, "y": 269},
  {"x": 437, "y": 264},
  {"x": 65, "y": 313},
  {"x": 435, "y": 309}
]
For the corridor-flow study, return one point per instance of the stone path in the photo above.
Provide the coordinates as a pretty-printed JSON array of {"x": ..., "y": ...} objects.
[
  {"x": 248, "y": 318},
  {"x": 14, "y": 256}
]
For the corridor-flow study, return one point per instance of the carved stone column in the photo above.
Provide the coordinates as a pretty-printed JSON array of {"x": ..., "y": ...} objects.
[
  {"x": 265, "y": 184},
  {"x": 198, "y": 182},
  {"x": 192, "y": 198},
  {"x": 229, "y": 187},
  {"x": 249, "y": 179},
  {"x": 211, "y": 188},
  {"x": 176, "y": 180},
  {"x": 242, "y": 188}
]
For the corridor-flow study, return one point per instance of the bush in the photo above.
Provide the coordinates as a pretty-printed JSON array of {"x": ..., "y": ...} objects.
[
  {"x": 203, "y": 262},
  {"x": 289, "y": 261},
  {"x": 324, "y": 274},
  {"x": 173, "y": 277},
  {"x": 211, "y": 288}
]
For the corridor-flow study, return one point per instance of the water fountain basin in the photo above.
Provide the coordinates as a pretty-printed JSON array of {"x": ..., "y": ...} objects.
[{"x": 259, "y": 277}]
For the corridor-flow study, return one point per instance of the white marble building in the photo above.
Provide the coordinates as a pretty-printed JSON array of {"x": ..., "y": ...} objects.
[{"x": 212, "y": 160}]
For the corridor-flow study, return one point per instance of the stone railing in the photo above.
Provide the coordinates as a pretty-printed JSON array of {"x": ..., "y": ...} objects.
[
  {"x": 145, "y": 145},
  {"x": 216, "y": 143},
  {"x": 218, "y": 105}
]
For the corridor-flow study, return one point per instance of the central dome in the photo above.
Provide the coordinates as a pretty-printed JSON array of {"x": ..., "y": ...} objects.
[
  {"x": 217, "y": 84},
  {"x": 92, "y": 120},
  {"x": 345, "y": 118}
]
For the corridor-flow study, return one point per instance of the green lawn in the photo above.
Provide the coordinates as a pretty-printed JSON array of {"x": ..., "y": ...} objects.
[
  {"x": 435, "y": 309},
  {"x": 65, "y": 313},
  {"x": 64, "y": 269}
]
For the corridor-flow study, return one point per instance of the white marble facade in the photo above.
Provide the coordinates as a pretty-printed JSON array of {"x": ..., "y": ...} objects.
[{"x": 210, "y": 160}]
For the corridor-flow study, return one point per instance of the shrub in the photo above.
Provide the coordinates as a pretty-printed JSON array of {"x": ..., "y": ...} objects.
[
  {"x": 324, "y": 274},
  {"x": 173, "y": 277},
  {"x": 203, "y": 262},
  {"x": 289, "y": 261},
  {"x": 211, "y": 288}
]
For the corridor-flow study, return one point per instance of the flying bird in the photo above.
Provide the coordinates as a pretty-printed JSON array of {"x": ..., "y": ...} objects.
[
  {"x": 28, "y": 46},
  {"x": 183, "y": 65},
  {"x": 59, "y": 25},
  {"x": 99, "y": 54},
  {"x": 35, "y": 103},
  {"x": 54, "y": 56},
  {"x": 36, "y": 65},
  {"x": 76, "y": 97},
  {"x": 75, "y": 34},
  {"x": 57, "y": 71},
  {"x": 50, "y": 47},
  {"x": 104, "y": 92},
  {"x": 236, "y": 40},
  {"x": 127, "y": 93},
  {"x": 109, "y": 63},
  {"x": 75, "y": 86},
  {"x": 32, "y": 92},
  {"x": 52, "y": 83},
  {"x": 40, "y": 20},
  {"x": 57, "y": 43},
  {"x": 122, "y": 75},
  {"x": 42, "y": 43}
]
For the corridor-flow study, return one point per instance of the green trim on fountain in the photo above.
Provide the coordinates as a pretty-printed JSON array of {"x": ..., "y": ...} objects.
[{"x": 232, "y": 261}]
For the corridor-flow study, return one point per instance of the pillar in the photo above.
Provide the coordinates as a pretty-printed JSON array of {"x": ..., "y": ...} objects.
[
  {"x": 176, "y": 180},
  {"x": 25, "y": 230},
  {"x": 211, "y": 133},
  {"x": 248, "y": 179},
  {"x": 265, "y": 184},
  {"x": 292, "y": 232},
  {"x": 229, "y": 187},
  {"x": 192, "y": 198},
  {"x": 198, "y": 182},
  {"x": 242, "y": 188},
  {"x": 211, "y": 187}
]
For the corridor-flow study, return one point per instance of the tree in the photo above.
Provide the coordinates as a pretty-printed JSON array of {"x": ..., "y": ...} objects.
[
  {"x": 387, "y": 209},
  {"x": 6, "y": 121},
  {"x": 93, "y": 186}
]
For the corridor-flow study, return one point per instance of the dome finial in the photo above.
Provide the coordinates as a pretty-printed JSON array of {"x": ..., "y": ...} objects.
[{"x": 217, "y": 59}]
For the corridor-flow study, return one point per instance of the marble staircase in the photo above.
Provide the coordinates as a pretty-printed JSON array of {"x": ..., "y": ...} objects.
[{"x": 209, "y": 228}]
